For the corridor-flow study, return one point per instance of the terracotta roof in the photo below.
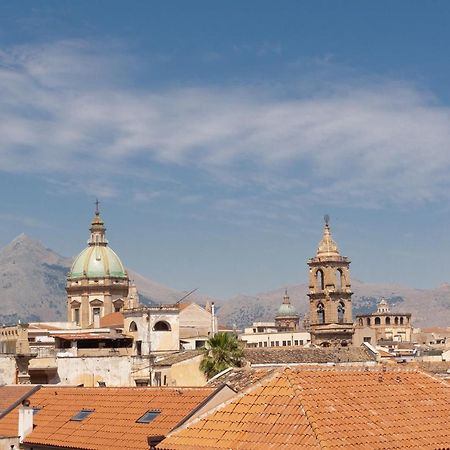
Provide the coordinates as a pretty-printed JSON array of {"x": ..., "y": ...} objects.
[
  {"x": 337, "y": 409},
  {"x": 241, "y": 378},
  {"x": 177, "y": 357},
  {"x": 11, "y": 395},
  {"x": 114, "y": 319},
  {"x": 293, "y": 355},
  {"x": 112, "y": 425}
]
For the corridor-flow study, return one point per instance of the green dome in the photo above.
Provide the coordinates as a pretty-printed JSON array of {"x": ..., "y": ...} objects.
[
  {"x": 286, "y": 309},
  {"x": 97, "y": 261}
]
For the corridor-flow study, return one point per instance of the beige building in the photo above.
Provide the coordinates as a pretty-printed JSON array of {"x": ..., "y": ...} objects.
[
  {"x": 97, "y": 283},
  {"x": 330, "y": 294},
  {"x": 383, "y": 326},
  {"x": 283, "y": 332}
]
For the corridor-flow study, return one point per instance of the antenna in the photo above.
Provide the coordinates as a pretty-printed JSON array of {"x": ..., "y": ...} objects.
[
  {"x": 187, "y": 295},
  {"x": 326, "y": 217}
]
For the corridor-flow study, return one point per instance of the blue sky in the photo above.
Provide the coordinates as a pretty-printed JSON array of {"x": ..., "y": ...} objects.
[{"x": 217, "y": 134}]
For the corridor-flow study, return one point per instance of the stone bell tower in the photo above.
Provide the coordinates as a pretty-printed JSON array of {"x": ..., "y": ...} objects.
[{"x": 330, "y": 294}]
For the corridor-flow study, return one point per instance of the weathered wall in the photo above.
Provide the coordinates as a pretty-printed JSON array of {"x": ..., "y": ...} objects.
[
  {"x": 113, "y": 370},
  {"x": 187, "y": 373},
  {"x": 7, "y": 369},
  {"x": 8, "y": 443}
]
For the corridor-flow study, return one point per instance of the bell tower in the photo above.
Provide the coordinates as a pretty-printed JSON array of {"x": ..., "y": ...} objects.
[{"x": 330, "y": 294}]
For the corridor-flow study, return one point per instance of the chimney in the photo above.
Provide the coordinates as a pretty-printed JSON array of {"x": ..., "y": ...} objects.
[
  {"x": 96, "y": 320},
  {"x": 25, "y": 420}
]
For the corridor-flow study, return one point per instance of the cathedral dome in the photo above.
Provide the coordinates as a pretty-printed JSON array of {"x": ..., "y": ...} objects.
[
  {"x": 97, "y": 260},
  {"x": 286, "y": 309}
]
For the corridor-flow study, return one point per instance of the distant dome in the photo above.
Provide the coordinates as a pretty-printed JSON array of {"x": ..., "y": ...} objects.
[
  {"x": 286, "y": 309},
  {"x": 97, "y": 260}
]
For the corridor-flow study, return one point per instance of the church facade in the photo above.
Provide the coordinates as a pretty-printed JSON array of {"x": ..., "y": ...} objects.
[{"x": 98, "y": 282}]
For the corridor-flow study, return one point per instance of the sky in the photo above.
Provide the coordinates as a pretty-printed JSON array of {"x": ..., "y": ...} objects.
[{"x": 216, "y": 135}]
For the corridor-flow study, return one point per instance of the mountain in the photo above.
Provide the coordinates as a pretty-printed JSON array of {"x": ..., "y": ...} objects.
[
  {"x": 32, "y": 282},
  {"x": 33, "y": 277},
  {"x": 429, "y": 307}
]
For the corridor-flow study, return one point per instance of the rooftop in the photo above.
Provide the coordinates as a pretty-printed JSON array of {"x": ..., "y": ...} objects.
[
  {"x": 301, "y": 355},
  {"x": 113, "y": 423},
  {"x": 317, "y": 408},
  {"x": 12, "y": 395},
  {"x": 240, "y": 379}
]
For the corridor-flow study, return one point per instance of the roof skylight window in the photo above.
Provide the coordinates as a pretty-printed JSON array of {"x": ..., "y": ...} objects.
[
  {"x": 148, "y": 416},
  {"x": 82, "y": 415}
]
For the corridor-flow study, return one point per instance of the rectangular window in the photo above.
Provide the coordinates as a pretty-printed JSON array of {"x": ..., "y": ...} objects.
[
  {"x": 288, "y": 343},
  {"x": 157, "y": 378},
  {"x": 278, "y": 343},
  {"x": 296, "y": 342},
  {"x": 76, "y": 315},
  {"x": 284, "y": 343},
  {"x": 148, "y": 416},
  {"x": 96, "y": 311},
  {"x": 265, "y": 344},
  {"x": 82, "y": 415},
  {"x": 165, "y": 380},
  {"x": 301, "y": 342},
  {"x": 272, "y": 344}
]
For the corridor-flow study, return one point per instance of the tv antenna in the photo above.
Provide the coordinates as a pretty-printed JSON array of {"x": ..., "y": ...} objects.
[{"x": 187, "y": 295}]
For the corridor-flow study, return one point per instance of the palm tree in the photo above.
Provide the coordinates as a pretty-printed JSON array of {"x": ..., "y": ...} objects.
[{"x": 223, "y": 350}]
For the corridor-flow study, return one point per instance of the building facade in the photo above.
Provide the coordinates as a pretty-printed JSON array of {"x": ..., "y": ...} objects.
[
  {"x": 330, "y": 294},
  {"x": 97, "y": 283},
  {"x": 388, "y": 326}
]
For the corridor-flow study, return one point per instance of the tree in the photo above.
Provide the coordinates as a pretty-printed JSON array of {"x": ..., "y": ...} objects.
[{"x": 221, "y": 351}]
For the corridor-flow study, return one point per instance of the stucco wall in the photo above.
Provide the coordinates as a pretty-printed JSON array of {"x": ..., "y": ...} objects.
[
  {"x": 114, "y": 371},
  {"x": 7, "y": 369},
  {"x": 187, "y": 373}
]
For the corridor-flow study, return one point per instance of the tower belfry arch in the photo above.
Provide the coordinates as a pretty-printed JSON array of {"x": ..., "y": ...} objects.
[{"x": 330, "y": 303}]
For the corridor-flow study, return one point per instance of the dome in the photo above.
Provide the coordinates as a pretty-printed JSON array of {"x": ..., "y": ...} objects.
[
  {"x": 97, "y": 260},
  {"x": 286, "y": 309}
]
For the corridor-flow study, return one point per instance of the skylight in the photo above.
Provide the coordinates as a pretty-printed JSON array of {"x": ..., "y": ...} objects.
[
  {"x": 82, "y": 415},
  {"x": 148, "y": 416}
]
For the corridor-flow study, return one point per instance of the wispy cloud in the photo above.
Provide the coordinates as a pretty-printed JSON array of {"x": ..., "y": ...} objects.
[{"x": 64, "y": 110}]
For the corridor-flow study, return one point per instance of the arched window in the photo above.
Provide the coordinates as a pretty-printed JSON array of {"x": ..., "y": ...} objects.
[
  {"x": 133, "y": 326},
  {"x": 401, "y": 320},
  {"x": 161, "y": 326},
  {"x": 319, "y": 280},
  {"x": 368, "y": 321},
  {"x": 341, "y": 312},
  {"x": 396, "y": 321},
  {"x": 339, "y": 279},
  {"x": 377, "y": 321},
  {"x": 320, "y": 313},
  {"x": 360, "y": 321},
  {"x": 388, "y": 321}
]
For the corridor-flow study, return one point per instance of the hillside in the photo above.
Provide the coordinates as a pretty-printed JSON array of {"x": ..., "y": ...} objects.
[
  {"x": 32, "y": 288},
  {"x": 428, "y": 307}
]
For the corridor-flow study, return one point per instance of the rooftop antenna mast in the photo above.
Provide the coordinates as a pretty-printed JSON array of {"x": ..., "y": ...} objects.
[{"x": 187, "y": 295}]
